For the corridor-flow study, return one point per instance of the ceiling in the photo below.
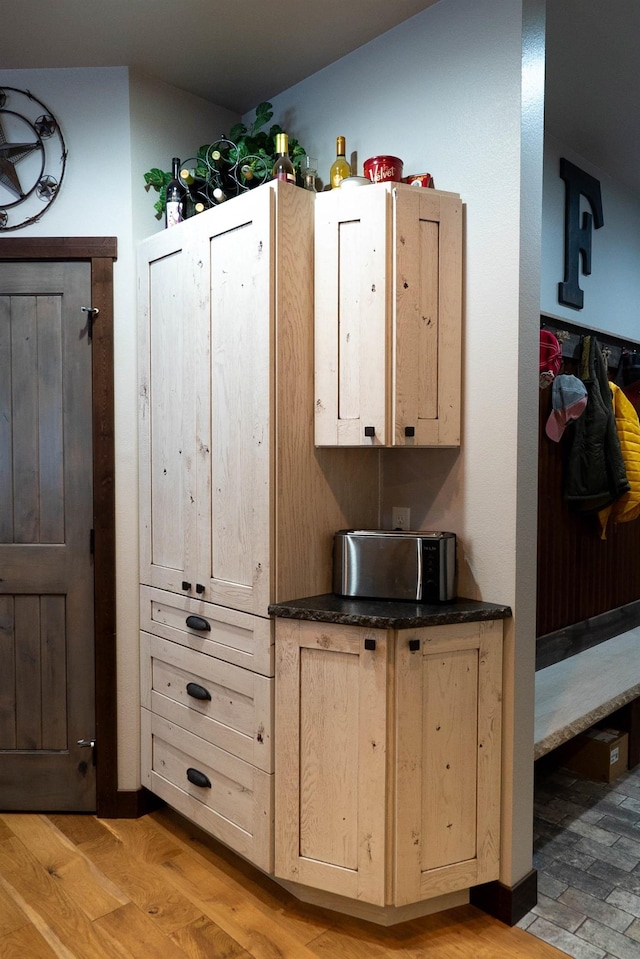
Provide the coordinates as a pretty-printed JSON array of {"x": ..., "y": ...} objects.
[
  {"x": 237, "y": 54},
  {"x": 592, "y": 101}
]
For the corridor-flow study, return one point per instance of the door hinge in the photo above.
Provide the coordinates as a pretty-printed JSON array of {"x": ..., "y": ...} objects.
[{"x": 92, "y": 541}]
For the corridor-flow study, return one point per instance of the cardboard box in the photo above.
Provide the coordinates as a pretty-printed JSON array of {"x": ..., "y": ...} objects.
[{"x": 599, "y": 754}]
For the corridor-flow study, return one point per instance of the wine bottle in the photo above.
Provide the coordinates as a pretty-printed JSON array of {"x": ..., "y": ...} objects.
[
  {"x": 309, "y": 172},
  {"x": 339, "y": 168},
  {"x": 249, "y": 180},
  {"x": 175, "y": 196},
  {"x": 283, "y": 167},
  {"x": 192, "y": 184}
]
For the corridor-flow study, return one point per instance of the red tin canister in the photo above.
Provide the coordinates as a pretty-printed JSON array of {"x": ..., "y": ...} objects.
[
  {"x": 420, "y": 179},
  {"x": 383, "y": 168}
]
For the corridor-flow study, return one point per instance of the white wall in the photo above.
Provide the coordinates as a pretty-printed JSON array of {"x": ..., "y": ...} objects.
[
  {"x": 116, "y": 129},
  {"x": 166, "y": 122},
  {"x": 612, "y": 290},
  {"x": 443, "y": 92}
]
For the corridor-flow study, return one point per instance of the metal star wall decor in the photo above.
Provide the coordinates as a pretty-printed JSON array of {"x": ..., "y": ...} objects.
[{"x": 33, "y": 157}]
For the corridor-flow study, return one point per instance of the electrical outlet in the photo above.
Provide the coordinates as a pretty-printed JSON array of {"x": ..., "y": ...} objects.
[{"x": 400, "y": 517}]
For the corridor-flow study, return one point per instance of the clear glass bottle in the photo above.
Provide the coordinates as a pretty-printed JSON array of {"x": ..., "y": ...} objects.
[
  {"x": 283, "y": 167},
  {"x": 339, "y": 168},
  {"x": 309, "y": 173},
  {"x": 175, "y": 193}
]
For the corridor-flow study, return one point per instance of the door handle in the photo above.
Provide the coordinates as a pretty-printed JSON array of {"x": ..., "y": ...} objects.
[
  {"x": 197, "y": 778},
  {"x": 196, "y": 691},
  {"x": 92, "y": 312}
]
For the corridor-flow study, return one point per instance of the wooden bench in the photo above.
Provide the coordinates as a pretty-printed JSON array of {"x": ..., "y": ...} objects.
[{"x": 575, "y": 693}]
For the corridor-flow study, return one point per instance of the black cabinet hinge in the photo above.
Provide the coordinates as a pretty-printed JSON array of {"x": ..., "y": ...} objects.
[{"x": 92, "y": 541}]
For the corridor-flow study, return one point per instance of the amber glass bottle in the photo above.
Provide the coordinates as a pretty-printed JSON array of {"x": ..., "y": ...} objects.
[{"x": 339, "y": 168}]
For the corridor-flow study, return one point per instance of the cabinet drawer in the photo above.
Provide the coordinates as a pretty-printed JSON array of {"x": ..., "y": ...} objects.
[
  {"x": 222, "y": 703},
  {"x": 227, "y": 634},
  {"x": 234, "y": 803}
]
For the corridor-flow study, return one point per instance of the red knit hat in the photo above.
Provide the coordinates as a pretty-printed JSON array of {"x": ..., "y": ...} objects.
[{"x": 550, "y": 353}]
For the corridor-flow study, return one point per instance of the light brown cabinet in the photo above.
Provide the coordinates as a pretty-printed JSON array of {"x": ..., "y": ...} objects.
[
  {"x": 207, "y": 746},
  {"x": 237, "y": 508},
  {"x": 388, "y": 758},
  {"x": 206, "y": 676},
  {"x": 331, "y": 757},
  {"x": 388, "y": 309}
]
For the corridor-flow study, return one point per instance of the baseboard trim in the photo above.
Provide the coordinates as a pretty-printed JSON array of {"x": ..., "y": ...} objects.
[
  {"x": 578, "y": 637},
  {"x": 134, "y": 803},
  {"x": 507, "y": 903}
]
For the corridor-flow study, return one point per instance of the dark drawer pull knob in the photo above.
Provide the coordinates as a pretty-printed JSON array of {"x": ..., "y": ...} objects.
[
  {"x": 369, "y": 644},
  {"x": 197, "y": 691},
  {"x": 369, "y": 431},
  {"x": 409, "y": 431},
  {"x": 197, "y": 778},
  {"x": 199, "y": 623},
  {"x": 199, "y": 588},
  {"x": 185, "y": 584},
  {"x": 414, "y": 645}
]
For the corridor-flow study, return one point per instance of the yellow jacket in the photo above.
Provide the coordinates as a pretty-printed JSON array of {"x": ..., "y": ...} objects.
[{"x": 627, "y": 506}]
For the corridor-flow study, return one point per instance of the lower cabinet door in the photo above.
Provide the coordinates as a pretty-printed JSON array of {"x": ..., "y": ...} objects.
[
  {"x": 448, "y": 740},
  {"x": 331, "y": 752},
  {"x": 225, "y": 796}
]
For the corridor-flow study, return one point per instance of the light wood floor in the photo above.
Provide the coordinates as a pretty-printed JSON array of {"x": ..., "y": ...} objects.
[{"x": 74, "y": 887}]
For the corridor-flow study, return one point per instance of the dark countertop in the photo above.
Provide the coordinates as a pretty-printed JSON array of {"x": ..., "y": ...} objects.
[{"x": 386, "y": 614}]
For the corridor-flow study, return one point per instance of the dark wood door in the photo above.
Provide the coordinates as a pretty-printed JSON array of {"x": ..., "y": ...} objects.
[{"x": 47, "y": 688}]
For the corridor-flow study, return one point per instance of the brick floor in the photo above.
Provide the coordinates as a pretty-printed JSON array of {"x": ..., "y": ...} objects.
[{"x": 587, "y": 853}]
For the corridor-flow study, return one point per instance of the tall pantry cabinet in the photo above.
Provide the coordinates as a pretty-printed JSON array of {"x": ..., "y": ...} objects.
[{"x": 237, "y": 507}]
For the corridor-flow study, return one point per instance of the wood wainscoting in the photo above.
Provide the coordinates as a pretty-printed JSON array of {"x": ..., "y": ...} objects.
[{"x": 580, "y": 575}]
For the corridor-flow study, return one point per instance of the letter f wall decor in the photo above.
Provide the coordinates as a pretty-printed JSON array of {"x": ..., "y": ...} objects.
[{"x": 577, "y": 239}]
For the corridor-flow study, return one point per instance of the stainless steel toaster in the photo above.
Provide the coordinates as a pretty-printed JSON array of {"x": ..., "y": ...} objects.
[{"x": 389, "y": 564}]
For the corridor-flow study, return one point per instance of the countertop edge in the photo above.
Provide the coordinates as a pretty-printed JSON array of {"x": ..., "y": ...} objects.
[{"x": 382, "y": 614}]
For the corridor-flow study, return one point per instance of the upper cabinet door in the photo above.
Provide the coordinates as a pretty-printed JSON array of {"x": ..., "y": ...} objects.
[
  {"x": 234, "y": 402},
  {"x": 426, "y": 334},
  {"x": 206, "y": 333},
  {"x": 352, "y": 301},
  {"x": 168, "y": 304},
  {"x": 388, "y": 268}
]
